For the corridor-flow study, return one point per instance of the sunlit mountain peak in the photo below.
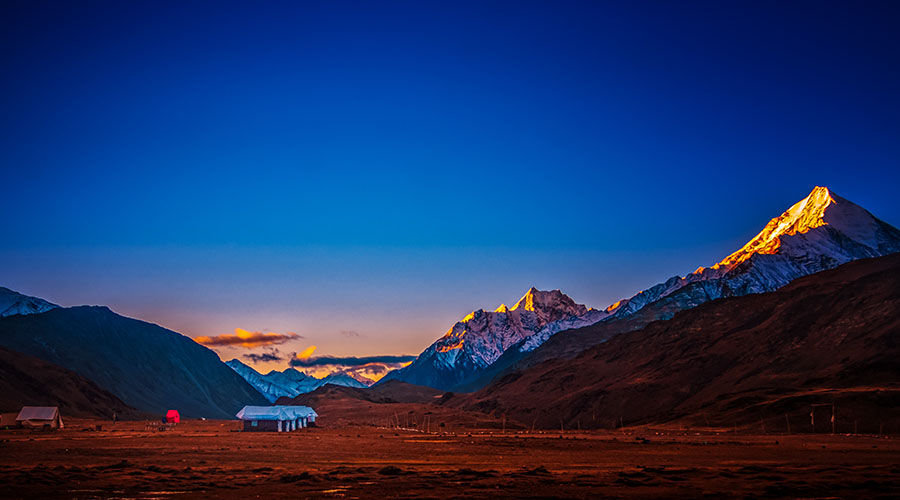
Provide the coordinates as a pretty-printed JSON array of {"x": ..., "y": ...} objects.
[
  {"x": 806, "y": 214},
  {"x": 528, "y": 300},
  {"x": 821, "y": 231}
]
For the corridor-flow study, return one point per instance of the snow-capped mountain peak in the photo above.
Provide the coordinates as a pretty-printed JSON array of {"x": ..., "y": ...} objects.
[
  {"x": 549, "y": 306},
  {"x": 821, "y": 231},
  {"x": 12, "y": 302},
  {"x": 808, "y": 213},
  {"x": 482, "y": 336}
]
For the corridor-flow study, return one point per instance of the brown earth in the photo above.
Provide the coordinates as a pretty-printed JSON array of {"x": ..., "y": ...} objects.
[
  {"x": 393, "y": 404},
  {"x": 764, "y": 361},
  {"x": 392, "y": 391},
  {"x": 212, "y": 459}
]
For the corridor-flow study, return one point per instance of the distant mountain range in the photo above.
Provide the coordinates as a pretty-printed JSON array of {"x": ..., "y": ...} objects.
[
  {"x": 832, "y": 337},
  {"x": 817, "y": 233},
  {"x": 146, "y": 366},
  {"x": 290, "y": 382}
]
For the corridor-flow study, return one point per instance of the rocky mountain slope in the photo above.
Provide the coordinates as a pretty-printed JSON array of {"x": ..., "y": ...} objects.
[
  {"x": 146, "y": 366},
  {"x": 833, "y": 337},
  {"x": 288, "y": 383},
  {"x": 476, "y": 341}
]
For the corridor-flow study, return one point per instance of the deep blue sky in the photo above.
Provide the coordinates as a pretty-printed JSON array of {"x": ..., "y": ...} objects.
[{"x": 386, "y": 167}]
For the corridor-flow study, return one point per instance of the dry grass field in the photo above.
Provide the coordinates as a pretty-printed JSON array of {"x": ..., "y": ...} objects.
[{"x": 212, "y": 459}]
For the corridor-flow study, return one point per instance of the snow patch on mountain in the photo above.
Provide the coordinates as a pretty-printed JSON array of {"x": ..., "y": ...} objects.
[{"x": 12, "y": 302}]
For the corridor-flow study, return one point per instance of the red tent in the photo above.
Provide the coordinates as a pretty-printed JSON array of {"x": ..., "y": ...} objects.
[{"x": 172, "y": 416}]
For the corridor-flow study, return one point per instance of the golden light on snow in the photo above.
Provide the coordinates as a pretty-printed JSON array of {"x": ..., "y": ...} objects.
[
  {"x": 804, "y": 215},
  {"x": 451, "y": 347}
]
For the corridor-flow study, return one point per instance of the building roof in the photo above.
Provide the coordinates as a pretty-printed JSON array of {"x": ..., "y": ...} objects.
[
  {"x": 38, "y": 413},
  {"x": 279, "y": 412}
]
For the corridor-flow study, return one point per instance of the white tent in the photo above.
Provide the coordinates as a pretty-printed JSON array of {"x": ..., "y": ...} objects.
[
  {"x": 288, "y": 418},
  {"x": 40, "y": 416}
]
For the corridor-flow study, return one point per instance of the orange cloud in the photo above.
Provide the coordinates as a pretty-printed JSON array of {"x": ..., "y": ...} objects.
[
  {"x": 247, "y": 339},
  {"x": 306, "y": 352}
]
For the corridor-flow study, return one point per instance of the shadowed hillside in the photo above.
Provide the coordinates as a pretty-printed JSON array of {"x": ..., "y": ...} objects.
[
  {"x": 392, "y": 391},
  {"x": 147, "y": 366},
  {"x": 28, "y": 381}
]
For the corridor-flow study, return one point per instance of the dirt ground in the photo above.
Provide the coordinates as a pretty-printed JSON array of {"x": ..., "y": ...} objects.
[{"x": 212, "y": 459}]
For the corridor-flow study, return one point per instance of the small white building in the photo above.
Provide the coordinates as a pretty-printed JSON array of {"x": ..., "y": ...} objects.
[{"x": 276, "y": 418}]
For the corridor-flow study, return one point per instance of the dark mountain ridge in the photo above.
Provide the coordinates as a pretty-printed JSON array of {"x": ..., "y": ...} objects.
[
  {"x": 29, "y": 381},
  {"x": 147, "y": 366}
]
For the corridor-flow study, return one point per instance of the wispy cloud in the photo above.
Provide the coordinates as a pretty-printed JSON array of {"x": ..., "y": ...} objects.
[
  {"x": 350, "y": 333},
  {"x": 269, "y": 355},
  {"x": 248, "y": 339},
  {"x": 305, "y": 361}
]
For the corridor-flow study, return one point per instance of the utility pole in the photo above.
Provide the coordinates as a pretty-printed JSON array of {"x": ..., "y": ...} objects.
[
  {"x": 832, "y": 418},
  {"x": 786, "y": 419}
]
